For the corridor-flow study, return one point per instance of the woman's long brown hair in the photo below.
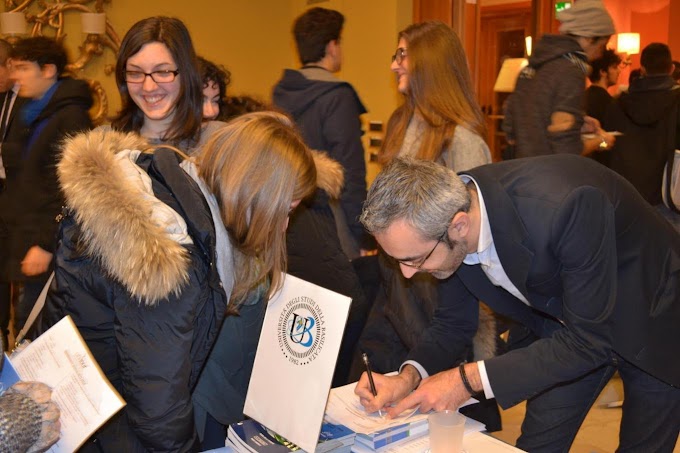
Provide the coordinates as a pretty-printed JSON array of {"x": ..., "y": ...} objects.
[{"x": 440, "y": 91}]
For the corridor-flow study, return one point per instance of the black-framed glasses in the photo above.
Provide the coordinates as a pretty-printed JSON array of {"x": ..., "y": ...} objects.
[
  {"x": 399, "y": 55},
  {"x": 164, "y": 76},
  {"x": 419, "y": 266}
]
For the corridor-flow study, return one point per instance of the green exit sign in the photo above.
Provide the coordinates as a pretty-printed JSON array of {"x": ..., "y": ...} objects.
[{"x": 561, "y": 6}]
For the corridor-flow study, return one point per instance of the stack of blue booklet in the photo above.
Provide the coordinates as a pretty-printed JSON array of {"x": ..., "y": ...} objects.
[
  {"x": 250, "y": 436},
  {"x": 390, "y": 437}
]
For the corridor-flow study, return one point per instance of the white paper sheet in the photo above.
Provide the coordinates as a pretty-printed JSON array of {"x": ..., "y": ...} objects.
[
  {"x": 295, "y": 360},
  {"x": 344, "y": 408},
  {"x": 86, "y": 399}
]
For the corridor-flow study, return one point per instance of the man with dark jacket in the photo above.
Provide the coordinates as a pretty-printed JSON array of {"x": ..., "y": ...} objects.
[
  {"x": 649, "y": 119},
  {"x": 57, "y": 106},
  {"x": 563, "y": 246},
  {"x": 544, "y": 115},
  {"x": 327, "y": 110}
]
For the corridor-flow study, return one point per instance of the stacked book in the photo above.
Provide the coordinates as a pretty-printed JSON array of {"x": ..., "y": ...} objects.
[
  {"x": 250, "y": 436},
  {"x": 389, "y": 437}
]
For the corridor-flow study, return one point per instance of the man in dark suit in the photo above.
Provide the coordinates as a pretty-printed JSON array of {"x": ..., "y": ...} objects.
[{"x": 568, "y": 249}]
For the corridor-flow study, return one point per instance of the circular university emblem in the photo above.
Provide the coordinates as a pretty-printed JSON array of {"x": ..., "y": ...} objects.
[{"x": 301, "y": 330}]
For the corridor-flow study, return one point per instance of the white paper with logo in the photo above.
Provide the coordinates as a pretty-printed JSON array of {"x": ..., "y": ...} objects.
[{"x": 295, "y": 360}]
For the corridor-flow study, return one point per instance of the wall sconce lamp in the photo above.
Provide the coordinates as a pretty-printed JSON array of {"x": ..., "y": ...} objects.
[
  {"x": 12, "y": 24},
  {"x": 628, "y": 43},
  {"x": 93, "y": 23},
  {"x": 97, "y": 32},
  {"x": 94, "y": 26}
]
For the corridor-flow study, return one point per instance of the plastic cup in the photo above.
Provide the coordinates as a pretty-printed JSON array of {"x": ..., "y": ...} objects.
[{"x": 446, "y": 431}]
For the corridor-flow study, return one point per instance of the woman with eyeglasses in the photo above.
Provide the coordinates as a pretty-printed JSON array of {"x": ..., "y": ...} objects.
[
  {"x": 440, "y": 121},
  {"x": 155, "y": 251},
  {"x": 160, "y": 85}
]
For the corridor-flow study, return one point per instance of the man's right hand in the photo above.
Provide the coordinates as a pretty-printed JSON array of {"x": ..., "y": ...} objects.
[{"x": 390, "y": 389}]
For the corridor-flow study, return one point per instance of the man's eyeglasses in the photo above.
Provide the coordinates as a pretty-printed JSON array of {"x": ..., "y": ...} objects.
[
  {"x": 165, "y": 76},
  {"x": 419, "y": 266},
  {"x": 399, "y": 55}
]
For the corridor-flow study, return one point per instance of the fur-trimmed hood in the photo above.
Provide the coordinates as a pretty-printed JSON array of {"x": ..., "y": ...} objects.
[
  {"x": 329, "y": 174},
  {"x": 115, "y": 216}
]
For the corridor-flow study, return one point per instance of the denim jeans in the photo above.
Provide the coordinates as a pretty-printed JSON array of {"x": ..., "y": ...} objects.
[{"x": 650, "y": 421}]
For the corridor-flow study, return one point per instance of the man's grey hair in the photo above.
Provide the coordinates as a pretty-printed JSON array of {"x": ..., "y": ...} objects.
[{"x": 424, "y": 194}]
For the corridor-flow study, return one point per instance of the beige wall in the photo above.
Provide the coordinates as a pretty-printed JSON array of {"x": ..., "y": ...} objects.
[
  {"x": 243, "y": 35},
  {"x": 252, "y": 38}
]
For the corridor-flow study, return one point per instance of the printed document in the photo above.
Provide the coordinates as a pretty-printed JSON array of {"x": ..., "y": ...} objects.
[
  {"x": 86, "y": 399},
  {"x": 344, "y": 408}
]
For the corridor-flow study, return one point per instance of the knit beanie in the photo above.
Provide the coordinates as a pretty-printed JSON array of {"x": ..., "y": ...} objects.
[{"x": 587, "y": 18}]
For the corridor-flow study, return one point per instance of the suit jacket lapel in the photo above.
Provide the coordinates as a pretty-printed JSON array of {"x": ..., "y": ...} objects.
[{"x": 508, "y": 231}]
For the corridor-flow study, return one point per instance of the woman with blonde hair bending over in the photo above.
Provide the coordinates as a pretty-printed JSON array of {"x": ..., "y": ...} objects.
[
  {"x": 154, "y": 252},
  {"x": 439, "y": 119}
]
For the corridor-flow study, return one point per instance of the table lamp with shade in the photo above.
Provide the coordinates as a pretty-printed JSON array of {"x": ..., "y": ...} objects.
[
  {"x": 629, "y": 44},
  {"x": 12, "y": 25}
]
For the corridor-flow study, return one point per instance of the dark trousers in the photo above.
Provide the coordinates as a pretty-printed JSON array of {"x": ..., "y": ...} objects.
[{"x": 651, "y": 412}]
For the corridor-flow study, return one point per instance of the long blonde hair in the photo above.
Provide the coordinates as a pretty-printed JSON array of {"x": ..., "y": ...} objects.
[
  {"x": 440, "y": 90},
  {"x": 256, "y": 166}
]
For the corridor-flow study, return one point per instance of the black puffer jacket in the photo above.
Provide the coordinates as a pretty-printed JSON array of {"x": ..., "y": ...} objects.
[
  {"x": 134, "y": 269},
  {"x": 315, "y": 255}
]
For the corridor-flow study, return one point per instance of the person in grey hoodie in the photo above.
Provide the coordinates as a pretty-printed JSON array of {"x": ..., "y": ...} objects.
[{"x": 544, "y": 115}]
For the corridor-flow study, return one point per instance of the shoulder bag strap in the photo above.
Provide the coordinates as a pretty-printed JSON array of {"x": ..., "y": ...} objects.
[{"x": 39, "y": 304}]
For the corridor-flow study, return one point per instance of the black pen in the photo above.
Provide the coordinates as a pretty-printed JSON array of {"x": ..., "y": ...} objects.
[
  {"x": 371, "y": 382},
  {"x": 370, "y": 375}
]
